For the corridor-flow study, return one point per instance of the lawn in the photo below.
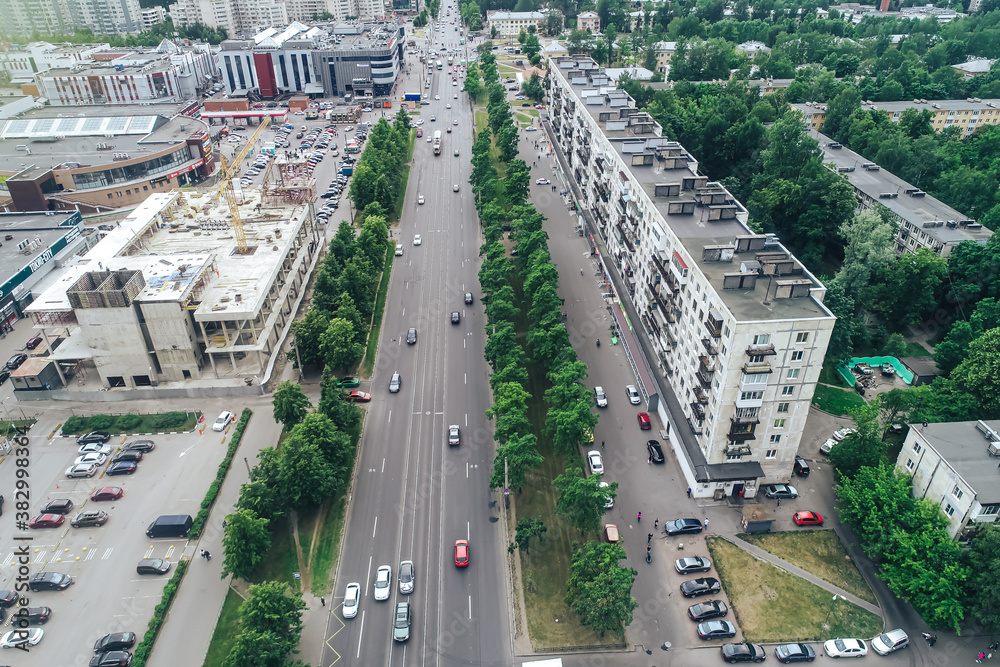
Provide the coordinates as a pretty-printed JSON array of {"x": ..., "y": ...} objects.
[
  {"x": 226, "y": 629},
  {"x": 180, "y": 422},
  {"x": 835, "y": 400},
  {"x": 772, "y": 605},
  {"x": 817, "y": 551},
  {"x": 828, "y": 374},
  {"x": 16, "y": 426},
  {"x": 380, "y": 299},
  {"x": 326, "y": 551}
]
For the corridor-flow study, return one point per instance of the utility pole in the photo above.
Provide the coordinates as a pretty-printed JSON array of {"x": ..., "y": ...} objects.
[{"x": 506, "y": 485}]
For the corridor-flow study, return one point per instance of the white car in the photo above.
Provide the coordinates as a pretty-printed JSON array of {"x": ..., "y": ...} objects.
[
  {"x": 416, "y": 239},
  {"x": 845, "y": 648},
  {"x": 95, "y": 448},
  {"x": 455, "y": 187},
  {"x": 827, "y": 446},
  {"x": 633, "y": 394},
  {"x": 437, "y": 97},
  {"x": 842, "y": 433},
  {"x": 611, "y": 501},
  {"x": 81, "y": 470},
  {"x": 94, "y": 458},
  {"x": 542, "y": 181},
  {"x": 454, "y": 122},
  {"x": 447, "y": 106},
  {"x": 531, "y": 128},
  {"x": 419, "y": 122},
  {"x": 383, "y": 582},
  {"x": 420, "y": 200},
  {"x": 352, "y": 600},
  {"x": 22, "y": 637},
  {"x": 399, "y": 250},
  {"x": 600, "y": 397},
  {"x": 455, "y": 96},
  {"x": 891, "y": 641},
  {"x": 222, "y": 421},
  {"x": 595, "y": 462}
]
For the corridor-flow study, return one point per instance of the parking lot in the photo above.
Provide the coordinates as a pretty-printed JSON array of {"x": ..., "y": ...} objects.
[{"x": 107, "y": 595}]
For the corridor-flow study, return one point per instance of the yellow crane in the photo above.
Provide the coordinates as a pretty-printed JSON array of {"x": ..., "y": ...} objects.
[{"x": 228, "y": 172}]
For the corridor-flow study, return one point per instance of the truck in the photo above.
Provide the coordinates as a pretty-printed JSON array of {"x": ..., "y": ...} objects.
[
  {"x": 437, "y": 142},
  {"x": 347, "y": 170},
  {"x": 312, "y": 114},
  {"x": 411, "y": 97}
]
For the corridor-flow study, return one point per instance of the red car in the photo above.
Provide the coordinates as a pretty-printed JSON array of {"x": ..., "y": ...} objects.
[
  {"x": 359, "y": 397},
  {"x": 33, "y": 342},
  {"x": 461, "y": 553},
  {"x": 807, "y": 519},
  {"x": 644, "y": 423},
  {"x": 108, "y": 493},
  {"x": 47, "y": 521}
]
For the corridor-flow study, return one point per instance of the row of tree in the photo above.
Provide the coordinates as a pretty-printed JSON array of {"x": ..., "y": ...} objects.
[
  {"x": 526, "y": 290},
  {"x": 907, "y": 537},
  {"x": 378, "y": 175},
  {"x": 197, "y": 32},
  {"x": 270, "y": 627}
]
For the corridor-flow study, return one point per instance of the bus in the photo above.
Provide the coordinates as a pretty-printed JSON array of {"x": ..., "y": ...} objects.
[
  {"x": 451, "y": 60},
  {"x": 437, "y": 142},
  {"x": 439, "y": 65}
]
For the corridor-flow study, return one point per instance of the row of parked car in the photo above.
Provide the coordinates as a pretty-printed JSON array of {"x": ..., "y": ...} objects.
[{"x": 883, "y": 644}]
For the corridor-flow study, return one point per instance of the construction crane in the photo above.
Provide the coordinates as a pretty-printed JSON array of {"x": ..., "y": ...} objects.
[{"x": 228, "y": 172}]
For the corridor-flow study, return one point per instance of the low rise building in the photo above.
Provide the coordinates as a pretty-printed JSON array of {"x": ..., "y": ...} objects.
[
  {"x": 510, "y": 24},
  {"x": 968, "y": 115},
  {"x": 724, "y": 328},
  {"x": 973, "y": 67},
  {"x": 23, "y": 62},
  {"x": 751, "y": 49},
  {"x": 923, "y": 221},
  {"x": 955, "y": 465},
  {"x": 589, "y": 21},
  {"x": 664, "y": 52}
]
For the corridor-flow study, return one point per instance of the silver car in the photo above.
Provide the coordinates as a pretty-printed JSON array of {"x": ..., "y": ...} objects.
[
  {"x": 633, "y": 394},
  {"x": 407, "y": 577},
  {"x": 383, "y": 582},
  {"x": 600, "y": 397},
  {"x": 395, "y": 383}
]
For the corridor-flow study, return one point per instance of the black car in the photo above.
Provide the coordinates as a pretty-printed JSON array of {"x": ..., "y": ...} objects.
[
  {"x": 140, "y": 446},
  {"x": 794, "y": 653},
  {"x": 682, "y": 527},
  {"x": 116, "y": 641},
  {"x": 692, "y": 565},
  {"x": 89, "y": 518},
  {"x": 15, "y": 361},
  {"x": 655, "y": 451},
  {"x": 153, "y": 566},
  {"x": 8, "y": 598},
  {"x": 58, "y": 506},
  {"x": 50, "y": 581},
  {"x": 4, "y": 375},
  {"x": 743, "y": 653},
  {"x": 112, "y": 659},
  {"x": 716, "y": 630},
  {"x": 127, "y": 455},
  {"x": 411, "y": 336},
  {"x": 99, "y": 437},
  {"x": 801, "y": 467},
  {"x": 703, "y": 586},
  {"x": 122, "y": 468},
  {"x": 31, "y": 616},
  {"x": 706, "y": 611}
]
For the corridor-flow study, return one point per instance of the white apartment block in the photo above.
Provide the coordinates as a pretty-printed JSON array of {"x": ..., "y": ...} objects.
[
  {"x": 153, "y": 15},
  {"x": 111, "y": 17},
  {"x": 732, "y": 326},
  {"x": 104, "y": 17},
  {"x": 956, "y": 466},
  {"x": 510, "y": 24},
  {"x": 238, "y": 17}
]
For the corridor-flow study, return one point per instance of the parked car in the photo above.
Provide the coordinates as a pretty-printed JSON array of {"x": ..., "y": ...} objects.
[
  {"x": 782, "y": 491},
  {"x": 58, "y": 506},
  {"x": 787, "y": 653},
  {"x": 95, "y": 448},
  {"x": 99, "y": 437},
  {"x": 801, "y": 467},
  {"x": 807, "y": 519},
  {"x": 633, "y": 394},
  {"x": 644, "y": 423},
  {"x": 842, "y": 433},
  {"x": 692, "y": 565},
  {"x": 595, "y": 462},
  {"x": 845, "y": 648},
  {"x": 121, "y": 468},
  {"x": 111, "y": 659},
  {"x": 349, "y": 381},
  {"x": 89, "y": 518},
  {"x": 683, "y": 527},
  {"x": 698, "y": 587},
  {"x": 704, "y": 611},
  {"x": 108, "y": 493},
  {"x": 116, "y": 641},
  {"x": 143, "y": 446},
  {"x": 743, "y": 653},
  {"x": 359, "y": 397},
  {"x": 16, "y": 360},
  {"x": 655, "y": 451},
  {"x": 891, "y": 641},
  {"x": 81, "y": 470},
  {"x": 828, "y": 446},
  {"x": 153, "y": 566},
  {"x": 46, "y": 521},
  {"x": 49, "y": 581},
  {"x": 222, "y": 421},
  {"x": 33, "y": 342},
  {"x": 716, "y": 630},
  {"x": 21, "y": 637}
]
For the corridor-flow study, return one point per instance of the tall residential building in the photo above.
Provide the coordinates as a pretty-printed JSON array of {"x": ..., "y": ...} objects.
[
  {"x": 967, "y": 115},
  {"x": 104, "y": 17},
  {"x": 724, "y": 328},
  {"x": 240, "y": 18},
  {"x": 152, "y": 16},
  {"x": 111, "y": 17}
]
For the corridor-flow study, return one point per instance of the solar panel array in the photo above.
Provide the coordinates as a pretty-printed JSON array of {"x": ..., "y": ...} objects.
[{"x": 47, "y": 128}]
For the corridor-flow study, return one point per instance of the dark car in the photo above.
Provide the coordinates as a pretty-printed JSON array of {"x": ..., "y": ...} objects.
[
  {"x": 4, "y": 375},
  {"x": 683, "y": 527},
  {"x": 153, "y": 566},
  {"x": 8, "y": 598},
  {"x": 122, "y": 468},
  {"x": 692, "y": 565},
  {"x": 468, "y": 298},
  {"x": 58, "y": 506},
  {"x": 794, "y": 653},
  {"x": 780, "y": 491},
  {"x": 116, "y": 641},
  {"x": 89, "y": 518},
  {"x": 456, "y": 317},
  {"x": 801, "y": 467},
  {"x": 143, "y": 446},
  {"x": 703, "y": 586},
  {"x": 704, "y": 611},
  {"x": 743, "y": 653},
  {"x": 655, "y": 451},
  {"x": 50, "y": 581},
  {"x": 112, "y": 659},
  {"x": 99, "y": 437},
  {"x": 108, "y": 493},
  {"x": 33, "y": 342},
  {"x": 31, "y": 616},
  {"x": 15, "y": 361},
  {"x": 411, "y": 336},
  {"x": 127, "y": 455},
  {"x": 395, "y": 382},
  {"x": 716, "y": 630}
]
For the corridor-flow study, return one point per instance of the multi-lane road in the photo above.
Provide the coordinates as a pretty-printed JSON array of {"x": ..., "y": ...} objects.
[{"x": 415, "y": 495}]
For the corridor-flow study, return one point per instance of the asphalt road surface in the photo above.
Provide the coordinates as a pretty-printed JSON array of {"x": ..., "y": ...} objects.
[{"x": 414, "y": 495}]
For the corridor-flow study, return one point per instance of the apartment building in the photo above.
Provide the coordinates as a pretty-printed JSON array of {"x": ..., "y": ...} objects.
[
  {"x": 922, "y": 221},
  {"x": 152, "y": 16},
  {"x": 725, "y": 328},
  {"x": 104, "y": 17},
  {"x": 967, "y": 115},
  {"x": 510, "y": 24},
  {"x": 955, "y": 465},
  {"x": 589, "y": 21},
  {"x": 239, "y": 17}
]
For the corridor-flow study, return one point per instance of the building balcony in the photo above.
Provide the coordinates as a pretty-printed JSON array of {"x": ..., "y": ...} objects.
[
  {"x": 672, "y": 282},
  {"x": 602, "y": 192},
  {"x": 623, "y": 236},
  {"x": 742, "y": 449},
  {"x": 713, "y": 324},
  {"x": 710, "y": 346},
  {"x": 701, "y": 395},
  {"x": 698, "y": 410},
  {"x": 757, "y": 367},
  {"x": 742, "y": 428},
  {"x": 695, "y": 425},
  {"x": 760, "y": 350}
]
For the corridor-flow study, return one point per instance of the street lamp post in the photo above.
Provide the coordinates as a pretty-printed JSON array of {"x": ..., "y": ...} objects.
[{"x": 826, "y": 623}]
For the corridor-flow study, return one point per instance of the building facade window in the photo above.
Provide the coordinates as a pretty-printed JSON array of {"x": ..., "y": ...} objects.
[
  {"x": 948, "y": 509},
  {"x": 771, "y": 453},
  {"x": 990, "y": 510},
  {"x": 802, "y": 337},
  {"x": 917, "y": 448},
  {"x": 793, "y": 374},
  {"x": 783, "y": 407},
  {"x": 779, "y": 423},
  {"x": 762, "y": 339},
  {"x": 775, "y": 439},
  {"x": 787, "y": 391},
  {"x": 797, "y": 355},
  {"x": 957, "y": 493},
  {"x": 909, "y": 464}
]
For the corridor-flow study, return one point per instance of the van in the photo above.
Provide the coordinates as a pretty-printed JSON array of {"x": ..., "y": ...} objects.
[
  {"x": 611, "y": 533},
  {"x": 170, "y": 525},
  {"x": 801, "y": 467}
]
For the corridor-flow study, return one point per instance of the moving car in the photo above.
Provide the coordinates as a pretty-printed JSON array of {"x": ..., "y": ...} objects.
[
  {"x": 807, "y": 519},
  {"x": 121, "y": 468},
  {"x": 383, "y": 582},
  {"x": 682, "y": 527},
  {"x": 89, "y": 518},
  {"x": 716, "y": 630},
  {"x": 21, "y": 637},
  {"x": 108, "y": 493},
  {"x": 401, "y": 622},
  {"x": 845, "y": 648},
  {"x": 399, "y": 250},
  {"x": 542, "y": 181},
  {"x": 456, "y": 317},
  {"x": 116, "y": 641},
  {"x": 407, "y": 577},
  {"x": 359, "y": 397},
  {"x": 349, "y": 382},
  {"x": 222, "y": 421},
  {"x": 794, "y": 653},
  {"x": 33, "y": 342},
  {"x": 692, "y": 565},
  {"x": 697, "y": 587},
  {"x": 395, "y": 383},
  {"x": 655, "y": 451},
  {"x": 743, "y": 653},
  {"x": 454, "y": 435},
  {"x": 153, "y": 566},
  {"x": 352, "y": 600},
  {"x": 461, "y": 553},
  {"x": 595, "y": 462},
  {"x": 782, "y": 491},
  {"x": 411, "y": 336},
  {"x": 600, "y": 397},
  {"x": 58, "y": 506},
  {"x": 46, "y": 521},
  {"x": 887, "y": 642},
  {"x": 81, "y": 470},
  {"x": 455, "y": 187},
  {"x": 416, "y": 237},
  {"x": 420, "y": 200},
  {"x": 704, "y": 611},
  {"x": 633, "y": 394},
  {"x": 468, "y": 298},
  {"x": 49, "y": 581}
]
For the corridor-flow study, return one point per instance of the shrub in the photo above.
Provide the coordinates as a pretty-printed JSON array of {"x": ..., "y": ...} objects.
[
  {"x": 220, "y": 476},
  {"x": 145, "y": 647},
  {"x": 101, "y": 422},
  {"x": 128, "y": 422},
  {"x": 169, "y": 420},
  {"x": 74, "y": 424}
]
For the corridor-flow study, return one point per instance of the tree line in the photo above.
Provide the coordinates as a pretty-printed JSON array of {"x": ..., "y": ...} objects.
[
  {"x": 525, "y": 289},
  {"x": 196, "y": 32}
]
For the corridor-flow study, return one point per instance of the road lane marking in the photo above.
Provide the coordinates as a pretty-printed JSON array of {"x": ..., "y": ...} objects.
[
  {"x": 470, "y": 607},
  {"x": 368, "y": 577},
  {"x": 466, "y": 376},
  {"x": 468, "y": 531},
  {"x": 382, "y": 470},
  {"x": 389, "y": 420},
  {"x": 361, "y": 634}
]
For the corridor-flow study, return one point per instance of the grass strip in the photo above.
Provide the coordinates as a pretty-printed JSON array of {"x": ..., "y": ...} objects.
[
  {"x": 145, "y": 647},
  {"x": 368, "y": 363},
  {"x": 835, "y": 400},
  {"x": 227, "y": 628}
]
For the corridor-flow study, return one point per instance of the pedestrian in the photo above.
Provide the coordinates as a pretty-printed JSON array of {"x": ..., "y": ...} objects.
[
  {"x": 656, "y": 524},
  {"x": 779, "y": 502},
  {"x": 649, "y": 538},
  {"x": 223, "y": 524},
  {"x": 980, "y": 657},
  {"x": 322, "y": 602},
  {"x": 602, "y": 442},
  {"x": 926, "y": 635},
  {"x": 706, "y": 524},
  {"x": 638, "y": 517},
  {"x": 689, "y": 492}
]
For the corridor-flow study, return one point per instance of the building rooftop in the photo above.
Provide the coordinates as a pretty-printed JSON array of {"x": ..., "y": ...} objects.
[
  {"x": 32, "y": 236},
  {"x": 514, "y": 16},
  {"x": 131, "y": 63},
  {"x": 977, "y": 66},
  {"x": 917, "y": 210},
  {"x": 655, "y": 162},
  {"x": 934, "y": 106},
  {"x": 963, "y": 445}
]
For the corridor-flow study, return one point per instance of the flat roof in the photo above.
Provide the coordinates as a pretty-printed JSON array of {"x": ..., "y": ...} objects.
[
  {"x": 963, "y": 447},
  {"x": 935, "y": 106},
  {"x": 38, "y": 227},
  {"x": 694, "y": 230},
  {"x": 916, "y": 210}
]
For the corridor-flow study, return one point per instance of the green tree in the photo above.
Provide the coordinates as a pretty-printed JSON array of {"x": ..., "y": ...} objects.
[
  {"x": 338, "y": 345},
  {"x": 841, "y": 343},
  {"x": 868, "y": 250},
  {"x": 863, "y": 448},
  {"x": 984, "y": 582},
  {"x": 290, "y": 404},
  {"x": 582, "y": 500},
  {"x": 526, "y": 529},
  {"x": 509, "y": 412},
  {"x": 305, "y": 477},
  {"x": 308, "y": 330},
  {"x": 908, "y": 291},
  {"x": 257, "y": 648},
  {"x": 531, "y": 46},
  {"x": 246, "y": 543},
  {"x": 979, "y": 373},
  {"x": 514, "y": 458},
  {"x": 336, "y": 445},
  {"x": 895, "y": 346},
  {"x": 272, "y": 607},
  {"x": 261, "y": 495},
  {"x": 334, "y": 404},
  {"x": 873, "y": 502},
  {"x": 599, "y": 589},
  {"x": 579, "y": 41}
]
